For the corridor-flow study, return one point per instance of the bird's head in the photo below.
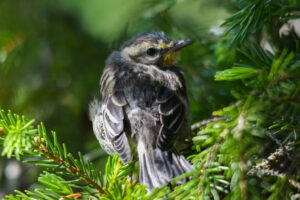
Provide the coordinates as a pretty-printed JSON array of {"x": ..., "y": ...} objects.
[{"x": 153, "y": 49}]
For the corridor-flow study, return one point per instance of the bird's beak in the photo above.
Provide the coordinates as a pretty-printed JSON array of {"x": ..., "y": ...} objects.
[{"x": 179, "y": 44}]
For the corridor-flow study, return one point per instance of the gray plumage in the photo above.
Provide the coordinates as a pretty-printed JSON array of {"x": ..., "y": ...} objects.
[{"x": 144, "y": 100}]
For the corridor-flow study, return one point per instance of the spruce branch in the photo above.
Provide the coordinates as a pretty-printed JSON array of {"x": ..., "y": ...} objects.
[
  {"x": 250, "y": 17},
  {"x": 17, "y": 133},
  {"x": 22, "y": 140},
  {"x": 59, "y": 162},
  {"x": 40, "y": 146}
]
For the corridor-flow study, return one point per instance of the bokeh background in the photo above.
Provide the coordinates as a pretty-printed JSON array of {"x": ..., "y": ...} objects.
[{"x": 52, "y": 54}]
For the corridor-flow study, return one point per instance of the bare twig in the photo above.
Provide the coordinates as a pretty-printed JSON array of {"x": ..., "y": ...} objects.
[
  {"x": 264, "y": 168},
  {"x": 197, "y": 125},
  {"x": 279, "y": 143},
  {"x": 266, "y": 163},
  {"x": 275, "y": 173}
]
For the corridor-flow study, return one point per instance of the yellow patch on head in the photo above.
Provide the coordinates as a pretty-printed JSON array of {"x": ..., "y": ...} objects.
[
  {"x": 169, "y": 58},
  {"x": 164, "y": 45}
]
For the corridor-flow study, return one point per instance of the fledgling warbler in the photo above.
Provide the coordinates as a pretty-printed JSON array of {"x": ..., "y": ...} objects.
[{"x": 144, "y": 100}]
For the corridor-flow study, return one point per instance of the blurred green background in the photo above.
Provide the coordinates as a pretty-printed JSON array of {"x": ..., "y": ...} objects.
[{"x": 52, "y": 54}]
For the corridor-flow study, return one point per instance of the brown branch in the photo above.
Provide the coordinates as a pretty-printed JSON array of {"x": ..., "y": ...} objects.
[
  {"x": 1, "y": 131},
  {"x": 40, "y": 146},
  {"x": 13, "y": 44},
  {"x": 73, "y": 196},
  {"x": 288, "y": 100}
]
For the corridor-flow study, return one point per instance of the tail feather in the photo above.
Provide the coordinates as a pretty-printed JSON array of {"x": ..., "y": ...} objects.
[
  {"x": 94, "y": 109},
  {"x": 158, "y": 167}
]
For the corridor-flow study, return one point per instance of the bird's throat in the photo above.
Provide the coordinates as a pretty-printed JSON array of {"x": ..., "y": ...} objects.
[{"x": 169, "y": 58}]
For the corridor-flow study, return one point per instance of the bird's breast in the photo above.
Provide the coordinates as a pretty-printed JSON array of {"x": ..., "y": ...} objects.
[{"x": 141, "y": 93}]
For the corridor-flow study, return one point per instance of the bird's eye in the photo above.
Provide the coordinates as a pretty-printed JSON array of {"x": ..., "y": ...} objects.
[{"x": 151, "y": 51}]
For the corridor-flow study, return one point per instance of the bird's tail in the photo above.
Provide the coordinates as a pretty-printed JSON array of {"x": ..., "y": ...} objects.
[{"x": 158, "y": 167}]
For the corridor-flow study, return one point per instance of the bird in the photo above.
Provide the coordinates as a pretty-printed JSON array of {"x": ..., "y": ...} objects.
[{"x": 144, "y": 110}]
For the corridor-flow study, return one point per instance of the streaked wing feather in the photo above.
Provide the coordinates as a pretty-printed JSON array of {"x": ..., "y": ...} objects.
[
  {"x": 121, "y": 146},
  {"x": 168, "y": 107},
  {"x": 114, "y": 125},
  {"x": 119, "y": 99},
  {"x": 164, "y": 95},
  {"x": 171, "y": 111}
]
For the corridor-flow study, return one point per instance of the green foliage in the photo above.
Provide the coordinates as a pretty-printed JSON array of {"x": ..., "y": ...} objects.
[
  {"x": 251, "y": 152},
  {"x": 54, "y": 187},
  {"x": 19, "y": 134},
  {"x": 235, "y": 73},
  {"x": 80, "y": 175},
  {"x": 252, "y": 16}
]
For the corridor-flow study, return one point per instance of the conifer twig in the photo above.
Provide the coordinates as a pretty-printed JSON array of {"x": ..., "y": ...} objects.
[{"x": 39, "y": 146}]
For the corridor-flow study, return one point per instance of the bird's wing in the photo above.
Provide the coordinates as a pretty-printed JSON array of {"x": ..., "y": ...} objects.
[
  {"x": 113, "y": 122},
  {"x": 172, "y": 112}
]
